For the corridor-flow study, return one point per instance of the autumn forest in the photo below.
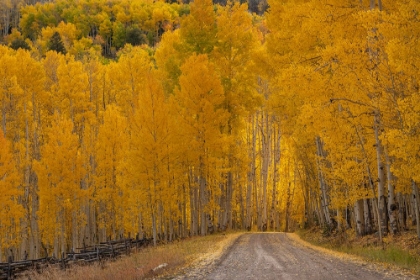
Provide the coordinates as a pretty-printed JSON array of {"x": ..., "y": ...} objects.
[{"x": 125, "y": 118}]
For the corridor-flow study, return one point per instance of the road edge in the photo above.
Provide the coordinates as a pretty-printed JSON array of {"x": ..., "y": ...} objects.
[
  {"x": 205, "y": 262},
  {"x": 376, "y": 266}
]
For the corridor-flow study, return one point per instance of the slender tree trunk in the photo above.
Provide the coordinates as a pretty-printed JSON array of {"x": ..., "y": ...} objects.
[
  {"x": 195, "y": 206},
  {"x": 375, "y": 205},
  {"x": 6, "y": 20},
  {"x": 248, "y": 225},
  {"x": 416, "y": 206},
  {"x": 229, "y": 191},
  {"x": 140, "y": 226},
  {"x": 348, "y": 217},
  {"x": 257, "y": 203},
  {"x": 383, "y": 214},
  {"x": 340, "y": 225},
  {"x": 380, "y": 5},
  {"x": 411, "y": 208},
  {"x": 203, "y": 200},
  {"x": 222, "y": 203},
  {"x": 171, "y": 230},
  {"x": 94, "y": 238},
  {"x": 323, "y": 186},
  {"x": 367, "y": 217},
  {"x": 320, "y": 215},
  {"x": 402, "y": 213},
  {"x": 3, "y": 119},
  {"x": 266, "y": 144},
  {"x": 392, "y": 206},
  {"x": 358, "y": 213},
  {"x": 63, "y": 245},
  {"x": 275, "y": 179},
  {"x": 251, "y": 175},
  {"x": 163, "y": 223},
  {"x": 74, "y": 231},
  {"x": 35, "y": 247},
  {"x": 381, "y": 206},
  {"x": 193, "y": 210},
  {"x": 242, "y": 207},
  {"x": 27, "y": 238},
  {"x": 287, "y": 210},
  {"x": 184, "y": 213},
  {"x": 154, "y": 230},
  {"x": 310, "y": 210}
]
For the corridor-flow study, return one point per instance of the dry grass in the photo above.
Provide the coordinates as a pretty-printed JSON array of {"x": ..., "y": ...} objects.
[
  {"x": 400, "y": 251},
  {"x": 140, "y": 265}
]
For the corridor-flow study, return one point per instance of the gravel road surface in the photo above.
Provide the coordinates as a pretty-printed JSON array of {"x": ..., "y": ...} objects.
[{"x": 277, "y": 256}]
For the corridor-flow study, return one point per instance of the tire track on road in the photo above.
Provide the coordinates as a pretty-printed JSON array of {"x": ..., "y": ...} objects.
[{"x": 276, "y": 256}]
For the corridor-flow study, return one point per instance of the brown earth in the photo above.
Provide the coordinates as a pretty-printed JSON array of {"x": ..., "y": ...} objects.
[{"x": 284, "y": 256}]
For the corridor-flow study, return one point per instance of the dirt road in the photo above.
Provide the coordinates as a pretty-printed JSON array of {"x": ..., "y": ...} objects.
[{"x": 277, "y": 256}]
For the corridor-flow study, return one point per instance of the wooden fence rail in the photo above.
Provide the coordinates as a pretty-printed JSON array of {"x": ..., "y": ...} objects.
[{"x": 85, "y": 255}]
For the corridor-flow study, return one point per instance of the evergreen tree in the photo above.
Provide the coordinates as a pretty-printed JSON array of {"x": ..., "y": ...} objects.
[
  {"x": 56, "y": 44},
  {"x": 19, "y": 43},
  {"x": 135, "y": 36}
]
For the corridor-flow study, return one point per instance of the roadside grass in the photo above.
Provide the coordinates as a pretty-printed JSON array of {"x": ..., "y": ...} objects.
[
  {"x": 401, "y": 251},
  {"x": 172, "y": 258},
  {"x": 391, "y": 255}
]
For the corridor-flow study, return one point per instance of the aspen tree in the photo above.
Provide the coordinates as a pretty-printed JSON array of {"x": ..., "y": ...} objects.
[
  {"x": 25, "y": 103},
  {"x": 198, "y": 29},
  {"x": 251, "y": 176},
  {"x": 236, "y": 44},
  {"x": 108, "y": 194},
  {"x": 149, "y": 154},
  {"x": 199, "y": 99},
  {"x": 10, "y": 210},
  {"x": 59, "y": 174},
  {"x": 9, "y": 88},
  {"x": 128, "y": 76}
]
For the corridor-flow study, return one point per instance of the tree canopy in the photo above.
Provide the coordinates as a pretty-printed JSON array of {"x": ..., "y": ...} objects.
[{"x": 166, "y": 120}]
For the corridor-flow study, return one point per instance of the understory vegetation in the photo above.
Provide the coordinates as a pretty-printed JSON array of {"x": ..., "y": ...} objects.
[
  {"x": 401, "y": 251},
  {"x": 147, "y": 263}
]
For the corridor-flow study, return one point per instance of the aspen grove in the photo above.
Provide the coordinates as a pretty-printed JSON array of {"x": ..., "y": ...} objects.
[{"x": 167, "y": 120}]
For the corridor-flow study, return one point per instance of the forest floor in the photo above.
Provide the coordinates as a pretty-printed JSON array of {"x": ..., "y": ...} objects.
[
  {"x": 262, "y": 256},
  {"x": 400, "y": 251},
  {"x": 148, "y": 263},
  {"x": 286, "y": 256}
]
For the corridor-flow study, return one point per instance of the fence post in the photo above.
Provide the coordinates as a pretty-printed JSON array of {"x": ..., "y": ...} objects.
[
  {"x": 9, "y": 271},
  {"x": 63, "y": 263},
  {"x": 112, "y": 250},
  {"x": 127, "y": 251}
]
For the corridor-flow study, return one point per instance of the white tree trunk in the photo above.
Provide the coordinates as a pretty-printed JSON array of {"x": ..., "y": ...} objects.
[
  {"x": 358, "y": 213},
  {"x": 251, "y": 175},
  {"x": 154, "y": 231},
  {"x": 392, "y": 206},
  {"x": 266, "y": 144},
  {"x": 203, "y": 201},
  {"x": 323, "y": 186},
  {"x": 402, "y": 212},
  {"x": 416, "y": 206},
  {"x": 274, "y": 201},
  {"x": 383, "y": 213},
  {"x": 367, "y": 217},
  {"x": 229, "y": 191}
]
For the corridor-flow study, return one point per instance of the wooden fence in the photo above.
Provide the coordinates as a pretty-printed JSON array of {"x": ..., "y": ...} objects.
[{"x": 89, "y": 254}]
